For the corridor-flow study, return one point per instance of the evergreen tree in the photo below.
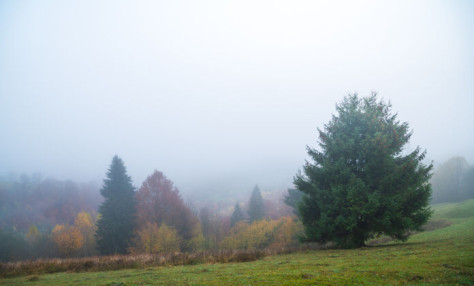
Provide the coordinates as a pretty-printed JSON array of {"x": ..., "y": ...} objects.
[
  {"x": 293, "y": 199},
  {"x": 237, "y": 215},
  {"x": 116, "y": 224},
  {"x": 256, "y": 209},
  {"x": 361, "y": 183}
]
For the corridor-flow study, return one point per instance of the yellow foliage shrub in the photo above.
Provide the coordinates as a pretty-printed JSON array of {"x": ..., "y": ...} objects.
[
  {"x": 154, "y": 239},
  {"x": 87, "y": 227},
  {"x": 262, "y": 234},
  {"x": 67, "y": 238},
  {"x": 198, "y": 241}
]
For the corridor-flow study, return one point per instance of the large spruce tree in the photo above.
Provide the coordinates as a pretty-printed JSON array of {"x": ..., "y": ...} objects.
[
  {"x": 363, "y": 182},
  {"x": 117, "y": 213},
  {"x": 256, "y": 206}
]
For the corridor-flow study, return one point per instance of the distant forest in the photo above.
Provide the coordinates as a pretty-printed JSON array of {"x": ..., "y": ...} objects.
[
  {"x": 44, "y": 218},
  {"x": 41, "y": 218},
  {"x": 453, "y": 181}
]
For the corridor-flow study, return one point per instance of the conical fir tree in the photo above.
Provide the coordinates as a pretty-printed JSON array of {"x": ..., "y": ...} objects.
[
  {"x": 237, "y": 215},
  {"x": 116, "y": 224},
  {"x": 362, "y": 182},
  {"x": 256, "y": 209}
]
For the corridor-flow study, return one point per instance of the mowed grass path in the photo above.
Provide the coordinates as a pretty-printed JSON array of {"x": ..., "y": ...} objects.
[{"x": 441, "y": 257}]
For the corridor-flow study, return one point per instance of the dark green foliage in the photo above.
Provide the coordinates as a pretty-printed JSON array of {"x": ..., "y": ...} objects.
[
  {"x": 44, "y": 248},
  {"x": 12, "y": 246},
  {"x": 256, "y": 209},
  {"x": 293, "y": 199},
  {"x": 361, "y": 184},
  {"x": 237, "y": 215},
  {"x": 116, "y": 224}
]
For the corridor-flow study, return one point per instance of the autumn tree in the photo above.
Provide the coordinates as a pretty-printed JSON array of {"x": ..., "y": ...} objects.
[
  {"x": 87, "y": 227},
  {"x": 198, "y": 242},
  {"x": 67, "y": 238},
  {"x": 154, "y": 239},
  {"x": 362, "y": 183},
  {"x": 287, "y": 233},
  {"x": 116, "y": 225},
  {"x": 31, "y": 200},
  {"x": 237, "y": 215},
  {"x": 256, "y": 206},
  {"x": 262, "y": 234},
  {"x": 159, "y": 202}
]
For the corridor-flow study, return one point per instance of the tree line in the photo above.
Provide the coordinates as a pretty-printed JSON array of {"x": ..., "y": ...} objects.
[
  {"x": 453, "y": 181},
  {"x": 155, "y": 219},
  {"x": 152, "y": 219},
  {"x": 360, "y": 183}
]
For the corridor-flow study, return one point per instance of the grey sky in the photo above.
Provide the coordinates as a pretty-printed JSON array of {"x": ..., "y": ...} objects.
[{"x": 211, "y": 92}]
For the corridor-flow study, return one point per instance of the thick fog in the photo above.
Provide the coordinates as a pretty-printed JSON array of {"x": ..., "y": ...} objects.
[{"x": 222, "y": 95}]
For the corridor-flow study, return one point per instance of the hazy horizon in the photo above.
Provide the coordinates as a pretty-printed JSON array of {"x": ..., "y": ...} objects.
[{"x": 219, "y": 93}]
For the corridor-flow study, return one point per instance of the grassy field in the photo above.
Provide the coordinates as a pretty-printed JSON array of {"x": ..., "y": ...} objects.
[{"x": 442, "y": 257}]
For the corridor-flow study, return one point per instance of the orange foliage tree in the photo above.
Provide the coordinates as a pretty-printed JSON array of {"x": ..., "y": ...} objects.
[
  {"x": 87, "y": 227},
  {"x": 159, "y": 202},
  {"x": 287, "y": 233},
  {"x": 67, "y": 238}
]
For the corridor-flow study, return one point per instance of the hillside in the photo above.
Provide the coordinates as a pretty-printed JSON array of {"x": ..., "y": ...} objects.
[{"x": 442, "y": 256}]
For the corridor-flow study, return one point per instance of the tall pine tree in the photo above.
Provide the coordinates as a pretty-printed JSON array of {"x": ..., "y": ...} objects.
[
  {"x": 362, "y": 182},
  {"x": 256, "y": 209},
  {"x": 116, "y": 224}
]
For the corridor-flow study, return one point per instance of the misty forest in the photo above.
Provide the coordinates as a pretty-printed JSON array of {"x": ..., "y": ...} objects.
[{"x": 224, "y": 144}]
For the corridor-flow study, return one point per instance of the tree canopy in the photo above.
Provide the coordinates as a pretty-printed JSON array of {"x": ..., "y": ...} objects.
[
  {"x": 362, "y": 182},
  {"x": 159, "y": 202},
  {"x": 116, "y": 225}
]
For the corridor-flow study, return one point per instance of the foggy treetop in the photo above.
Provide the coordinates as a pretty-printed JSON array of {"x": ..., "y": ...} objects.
[{"x": 222, "y": 94}]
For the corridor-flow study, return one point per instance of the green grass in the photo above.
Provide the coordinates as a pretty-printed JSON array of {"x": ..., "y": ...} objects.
[
  {"x": 441, "y": 257},
  {"x": 460, "y": 210}
]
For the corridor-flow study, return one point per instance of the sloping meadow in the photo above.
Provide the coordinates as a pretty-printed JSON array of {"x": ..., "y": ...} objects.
[{"x": 441, "y": 256}]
